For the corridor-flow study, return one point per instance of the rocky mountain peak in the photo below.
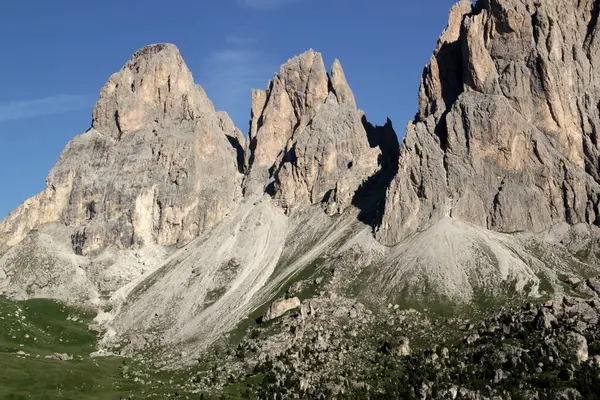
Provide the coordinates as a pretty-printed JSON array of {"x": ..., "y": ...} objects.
[
  {"x": 506, "y": 133},
  {"x": 455, "y": 18},
  {"x": 154, "y": 86},
  {"x": 307, "y": 141},
  {"x": 340, "y": 86},
  {"x": 158, "y": 165},
  {"x": 296, "y": 92},
  {"x": 442, "y": 79},
  {"x": 190, "y": 228},
  {"x": 305, "y": 79}
]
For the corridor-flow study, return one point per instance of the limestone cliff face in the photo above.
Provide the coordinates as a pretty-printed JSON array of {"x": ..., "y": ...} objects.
[
  {"x": 159, "y": 165},
  {"x": 307, "y": 142},
  {"x": 506, "y": 136}
]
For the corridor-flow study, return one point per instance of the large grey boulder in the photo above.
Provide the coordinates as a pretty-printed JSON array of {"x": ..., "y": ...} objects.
[{"x": 280, "y": 307}]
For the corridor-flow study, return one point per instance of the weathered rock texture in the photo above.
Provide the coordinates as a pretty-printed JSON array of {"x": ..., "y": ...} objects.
[
  {"x": 307, "y": 140},
  {"x": 280, "y": 307},
  {"x": 506, "y": 136},
  {"x": 159, "y": 165}
]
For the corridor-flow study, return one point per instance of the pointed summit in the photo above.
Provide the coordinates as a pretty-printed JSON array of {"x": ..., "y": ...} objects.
[
  {"x": 340, "y": 85},
  {"x": 305, "y": 79},
  {"x": 307, "y": 141},
  {"x": 292, "y": 98},
  {"x": 154, "y": 86},
  {"x": 158, "y": 166}
]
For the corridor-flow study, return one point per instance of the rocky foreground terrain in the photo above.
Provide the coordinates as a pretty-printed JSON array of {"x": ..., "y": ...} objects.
[
  {"x": 316, "y": 256},
  {"x": 339, "y": 349}
]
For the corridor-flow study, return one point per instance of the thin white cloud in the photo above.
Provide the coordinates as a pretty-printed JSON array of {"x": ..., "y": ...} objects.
[
  {"x": 229, "y": 76},
  {"x": 57, "y": 104},
  {"x": 236, "y": 40},
  {"x": 266, "y": 4}
]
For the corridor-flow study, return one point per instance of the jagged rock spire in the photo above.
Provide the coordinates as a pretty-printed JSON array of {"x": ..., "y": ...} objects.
[
  {"x": 293, "y": 95},
  {"x": 307, "y": 141},
  {"x": 154, "y": 86}
]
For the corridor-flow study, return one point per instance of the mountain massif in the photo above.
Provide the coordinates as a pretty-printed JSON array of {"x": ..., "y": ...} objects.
[{"x": 181, "y": 231}]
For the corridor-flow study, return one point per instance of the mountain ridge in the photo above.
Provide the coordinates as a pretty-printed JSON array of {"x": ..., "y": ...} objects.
[{"x": 177, "y": 228}]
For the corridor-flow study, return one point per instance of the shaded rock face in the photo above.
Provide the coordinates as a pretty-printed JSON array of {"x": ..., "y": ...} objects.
[
  {"x": 307, "y": 141},
  {"x": 159, "y": 165},
  {"x": 506, "y": 133},
  {"x": 370, "y": 196}
]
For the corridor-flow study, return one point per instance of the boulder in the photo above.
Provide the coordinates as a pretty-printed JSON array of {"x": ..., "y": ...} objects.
[
  {"x": 544, "y": 319},
  {"x": 404, "y": 347},
  {"x": 60, "y": 357},
  {"x": 585, "y": 312},
  {"x": 280, "y": 307},
  {"x": 578, "y": 346}
]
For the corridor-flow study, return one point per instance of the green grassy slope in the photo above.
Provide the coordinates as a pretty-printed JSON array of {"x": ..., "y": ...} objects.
[{"x": 31, "y": 330}]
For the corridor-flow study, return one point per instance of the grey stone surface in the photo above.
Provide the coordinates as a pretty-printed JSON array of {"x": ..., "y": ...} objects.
[
  {"x": 307, "y": 140},
  {"x": 505, "y": 136},
  {"x": 579, "y": 346},
  {"x": 159, "y": 165},
  {"x": 544, "y": 319},
  {"x": 280, "y": 307}
]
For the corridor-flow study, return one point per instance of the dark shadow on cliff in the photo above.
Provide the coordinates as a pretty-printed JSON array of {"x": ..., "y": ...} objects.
[
  {"x": 239, "y": 150},
  {"x": 370, "y": 196},
  {"x": 289, "y": 157}
]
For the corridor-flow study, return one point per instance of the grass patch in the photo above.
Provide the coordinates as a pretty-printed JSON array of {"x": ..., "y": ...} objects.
[
  {"x": 245, "y": 389},
  {"x": 33, "y": 329}
]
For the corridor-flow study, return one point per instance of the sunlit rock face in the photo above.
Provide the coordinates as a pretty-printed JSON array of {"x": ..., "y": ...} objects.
[
  {"x": 158, "y": 165},
  {"x": 506, "y": 133},
  {"x": 307, "y": 142}
]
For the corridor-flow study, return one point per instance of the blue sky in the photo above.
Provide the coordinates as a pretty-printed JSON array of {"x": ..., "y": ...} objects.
[{"x": 58, "y": 54}]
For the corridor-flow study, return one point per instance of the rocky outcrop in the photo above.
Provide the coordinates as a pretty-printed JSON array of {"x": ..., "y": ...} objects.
[
  {"x": 506, "y": 133},
  {"x": 579, "y": 345},
  {"x": 307, "y": 140},
  {"x": 60, "y": 357},
  {"x": 501, "y": 347},
  {"x": 280, "y": 307},
  {"x": 158, "y": 165}
]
